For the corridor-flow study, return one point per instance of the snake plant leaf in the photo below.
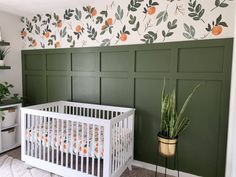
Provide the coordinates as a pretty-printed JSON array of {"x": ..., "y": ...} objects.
[{"x": 187, "y": 101}]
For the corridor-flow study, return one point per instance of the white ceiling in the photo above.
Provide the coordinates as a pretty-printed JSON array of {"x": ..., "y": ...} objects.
[{"x": 26, "y": 7}]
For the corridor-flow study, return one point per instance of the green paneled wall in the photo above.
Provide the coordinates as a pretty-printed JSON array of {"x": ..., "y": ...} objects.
[{"x": 133, "y": 76}]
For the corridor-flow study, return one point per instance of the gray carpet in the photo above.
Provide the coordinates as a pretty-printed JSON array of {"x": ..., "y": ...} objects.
[{"x": 136, "y": 171}]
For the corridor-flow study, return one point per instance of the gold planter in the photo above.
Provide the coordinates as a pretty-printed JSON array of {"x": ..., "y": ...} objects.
[{"x": 167, "y": 147}]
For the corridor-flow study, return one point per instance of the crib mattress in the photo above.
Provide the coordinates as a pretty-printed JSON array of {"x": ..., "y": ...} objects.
[{"x": 83, "y": 143}]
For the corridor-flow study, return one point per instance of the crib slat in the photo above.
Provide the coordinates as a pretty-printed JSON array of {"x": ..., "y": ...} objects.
[
  {"x": 44, "y": 134},
  {"x": 93, "y": 147},
  {"x": 103, "y": 114},
  {"x": 88, "y": 146},
  {"x": 58, "y": 142},
  {"x": 123, "y": 149},
  {"x": 117, "y": 146},
  {"x": 53, "y": 139},
  {"x": 49, "y": 141},
  {"x": 32, "y": 135},
  {"x": 99, "y": 151},
  {"x": 82, "y": 149},
  {"x": 36, "y": 142},
  {"x": 67, "y": 141},
  {"x": 40, "y": 137},
  {"x": 71, "y": 145},
  {"x": 127, "y": 141},
  {"x": 113, "y": 149},
  {"x": 77, "y": 146},
  {"x": 120, "y": 142},
  {"x": 62, "y": 141}
]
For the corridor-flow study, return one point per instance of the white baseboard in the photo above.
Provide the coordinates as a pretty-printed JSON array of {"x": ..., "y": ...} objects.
[{"x": 161, "y": 169}]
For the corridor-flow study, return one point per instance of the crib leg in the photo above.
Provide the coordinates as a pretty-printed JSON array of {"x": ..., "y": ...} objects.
[{"x": 130, "y": 167}]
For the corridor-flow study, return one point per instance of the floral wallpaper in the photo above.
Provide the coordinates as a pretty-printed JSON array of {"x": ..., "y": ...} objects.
[{"x": 129, "y": 22}]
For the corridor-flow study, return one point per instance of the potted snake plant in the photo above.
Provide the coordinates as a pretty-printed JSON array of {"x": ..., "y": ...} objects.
[
  {"x": 4, "y": 90},
  {"x": 172, "y": 122},
  {"x": 3, "y": 54}
]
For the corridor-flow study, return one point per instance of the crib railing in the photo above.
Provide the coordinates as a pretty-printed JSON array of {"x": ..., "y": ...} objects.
[{"x": 74, "y": 139}]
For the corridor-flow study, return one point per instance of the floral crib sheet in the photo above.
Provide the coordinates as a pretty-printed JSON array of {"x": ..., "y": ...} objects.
[{"x": 83, "y": 142}]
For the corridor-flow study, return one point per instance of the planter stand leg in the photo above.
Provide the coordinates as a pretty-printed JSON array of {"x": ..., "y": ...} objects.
[
  {"x": 177, "y": 158},
  {"x": 165, "y": 165},
  {"x": 176, "y": 163},
  {"x": 156, "y": 173}
]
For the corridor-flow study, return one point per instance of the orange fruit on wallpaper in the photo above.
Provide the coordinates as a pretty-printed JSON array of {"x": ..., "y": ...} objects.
[
  {"x": 109, "y": 21},
  {"x": 151, "y": 10},
  {"x": 47, "y": 34},
  {"x": 57, "y": 44},
  {"x": 94, "y": 12},
  {"x": 123, "y": 37},
  {"x": 217, "y": 30},
  {"x": 59, "y": 25},
  {"x": 78, "y": 28}
]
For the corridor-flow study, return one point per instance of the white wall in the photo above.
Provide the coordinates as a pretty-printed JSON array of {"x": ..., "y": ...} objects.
[
  {"x": 231, "y": 149},
  {"x": 11, "y": 26}
]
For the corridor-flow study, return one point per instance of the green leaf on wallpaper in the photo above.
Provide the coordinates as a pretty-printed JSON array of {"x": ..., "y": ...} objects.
[
  {"x": 73, "y": 44},
  {"x": 163, "y": 33},
  {"x": 39, "y": 17},
  {"x": 105, "y": 42},
  {"x": 170, "y": 25},
  {"x": 149, "y": 37},
  {"x": 35, "y": 19},
  {"x": 37, "y": 29},
  {"x": 196, "y": 11},
  {"x": 217, "y": 2},
  {"x": 69, "y": 38},
  {"x": 136, "y": 27},
  {"x": 169, "y": 34},
  {"x": 110, "y": 29},
  {"x": 53, "y": 36},
  {"x": 186, "y": 27},
  {"x": 132, "y": 19},
  {"x": 99, "y": 19},
  {"x": 119, "y": 14},
  {"x": 218, "y": 20},
  {"x": 78, "y": 14},
  {"x": 56, "y": 17},
  {"x": 22, "y": 19},
  {"x": 92, "y": 33},
  {"x": 50, "y": 42},
  {"x": 29, "y": 26},
  {"x": 222, "y": 4},
  {"x": 68, "y": 14},
  {"x": 102, "y": 32},
  {"x": 162, "y": 16},
  {"x": 223, "y": 24},
  {"x": 134, "y": 5},
  {"x": 104, "y": 12},
  {"x": 186, "y": 35},
  {"x": 63, "y": 33},
  {"x": 190, "y": 31},
  {"x": 42, "y": 45}
]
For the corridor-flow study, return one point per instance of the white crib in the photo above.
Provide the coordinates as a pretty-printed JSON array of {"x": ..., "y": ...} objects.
[{"x": 75, "y": 139}]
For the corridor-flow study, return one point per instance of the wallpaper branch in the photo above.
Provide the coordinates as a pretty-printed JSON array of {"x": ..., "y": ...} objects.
[{"x": 129, "y": 22}]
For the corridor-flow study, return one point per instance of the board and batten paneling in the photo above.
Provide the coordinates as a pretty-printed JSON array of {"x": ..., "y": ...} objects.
[{"x": 133, "y": 76}]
